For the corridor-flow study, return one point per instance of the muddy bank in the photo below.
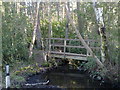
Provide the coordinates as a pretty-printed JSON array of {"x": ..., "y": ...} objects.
[{"x": 38, "y": 79}]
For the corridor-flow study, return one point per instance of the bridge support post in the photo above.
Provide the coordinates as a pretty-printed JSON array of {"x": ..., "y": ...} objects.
[
  {"x": 50, "y": 30},
  {"x": 66, "y": 32},
  {"x": 87, "y": 50}
]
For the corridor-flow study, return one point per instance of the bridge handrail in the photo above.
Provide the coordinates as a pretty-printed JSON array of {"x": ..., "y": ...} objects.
[
  {"x": 72, "y": 39},
  {"x": 70, "y": 46}
]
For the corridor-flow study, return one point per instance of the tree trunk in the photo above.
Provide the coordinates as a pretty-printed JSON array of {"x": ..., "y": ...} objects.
[
  {"x": 79, "y": 19},
  {"x": 38, "y": 32},
  {"x": 63, "y": 12},
  {"x": 34, "y": 32},
  {"x": 42, "y": 10},
  {"x": 1, "y": 43},
  {"x": 101, "y": 25},
  {"x": 50, "y": 29},
  {"x": 66, "y": 31},
  {"x": 82, "y": 40},
  {"x": 104, "y": 46},
  {"x": 18, "y": 7},
  {"x": 58, "y": 5}
]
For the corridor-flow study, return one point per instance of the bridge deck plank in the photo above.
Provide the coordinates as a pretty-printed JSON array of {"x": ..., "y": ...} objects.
[
  {"x": 68, "y": 54},
  {"x": 69, "y": 57}
]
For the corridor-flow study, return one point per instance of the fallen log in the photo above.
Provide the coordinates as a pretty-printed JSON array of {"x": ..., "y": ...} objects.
[{"x": 41, "y": 83}]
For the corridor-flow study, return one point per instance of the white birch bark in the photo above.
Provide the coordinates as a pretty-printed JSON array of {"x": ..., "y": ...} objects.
[{"x": 34, "y": 32}]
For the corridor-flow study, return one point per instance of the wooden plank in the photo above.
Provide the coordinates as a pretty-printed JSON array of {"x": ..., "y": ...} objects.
[
  {"x": 68, "y": 54},
  {"x": 69, "y": 57},
  {"x": 67, "y": 46},
  {"x": 72, "y": 39},
  {"x": 74, "y": 46}
]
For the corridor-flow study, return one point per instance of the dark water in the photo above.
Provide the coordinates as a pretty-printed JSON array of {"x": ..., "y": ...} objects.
[{"x": 66, "y": 77}]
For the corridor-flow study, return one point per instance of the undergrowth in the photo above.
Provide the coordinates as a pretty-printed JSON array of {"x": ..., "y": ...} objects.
[{"x": 19, "y": 71}]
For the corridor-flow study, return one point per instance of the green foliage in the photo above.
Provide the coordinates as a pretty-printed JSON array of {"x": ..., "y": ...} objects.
[
  {"x": 58, "y": 28},
  {"x": 45, "y": 64},
  {"x": 16, "y": 35},
  {"x": 44, "y": 27},
  {"x": 111, "y": 21},
  {"x": 52, "y": 63},
  {"x": 76, "y": 50},
  {"x": 18, "y": 78},
  {"x": 28, "y": 70},
  {"x": 91, "y": 64}
]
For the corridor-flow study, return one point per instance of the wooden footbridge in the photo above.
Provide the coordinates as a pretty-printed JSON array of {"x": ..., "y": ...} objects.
[{"x": 61, "y": 48}]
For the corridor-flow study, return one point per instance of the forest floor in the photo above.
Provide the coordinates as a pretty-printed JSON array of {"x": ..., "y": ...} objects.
[{"x": 20, "y": 71}]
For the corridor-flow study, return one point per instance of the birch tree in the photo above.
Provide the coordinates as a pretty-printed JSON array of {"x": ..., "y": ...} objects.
[
  {"x": 102, "y": 31},
  {"x": 34, "y": 31}
]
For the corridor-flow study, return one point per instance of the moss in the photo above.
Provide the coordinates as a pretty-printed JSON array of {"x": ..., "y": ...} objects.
[
  {"x": 19, "y": 78},
  {"x": 46, "y": 64}
]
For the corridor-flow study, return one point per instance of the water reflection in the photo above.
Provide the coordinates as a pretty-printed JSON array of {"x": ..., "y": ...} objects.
[{"x": 70, "y": 78}]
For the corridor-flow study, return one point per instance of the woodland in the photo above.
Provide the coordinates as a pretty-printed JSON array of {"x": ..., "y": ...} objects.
[{"x": 34, "y": 33}]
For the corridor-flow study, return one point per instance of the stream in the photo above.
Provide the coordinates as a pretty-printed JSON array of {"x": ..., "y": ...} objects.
[{"x": 64, "y": 77}]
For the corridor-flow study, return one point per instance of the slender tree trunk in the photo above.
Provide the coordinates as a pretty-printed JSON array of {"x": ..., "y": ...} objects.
[
  {"x": 73, "y": 15},
  {"x": 104, "y": 46},
  {"x": 50, "y": 28},
  {"x": 79, "y": 19},
  {"x": 34, "y": 32},
  {"x": 1, "y": 43},
  {"x": 40, "y": 41},
  {"x": 42, "y": 10},
  {"x": 38, "y": 32},
  {"x": 67, "y": 24},
  {"x": 58, "y": 5},
  {"x": 102, "y": 31},
  {"x": 66, "y": 31},
  {"x": 63, "y": 12},
  {"x": 18, "y": 7}
]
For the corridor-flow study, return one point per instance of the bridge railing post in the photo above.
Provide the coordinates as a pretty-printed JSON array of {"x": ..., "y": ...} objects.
[
  {"x": 88, "y": 42},
  {"x": 64, "y": 47}
]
